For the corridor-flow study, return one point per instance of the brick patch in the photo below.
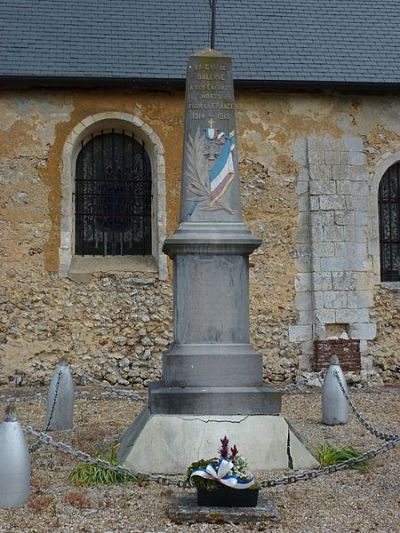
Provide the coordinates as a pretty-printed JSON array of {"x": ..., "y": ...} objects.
[{"x": 347, "y": 350}]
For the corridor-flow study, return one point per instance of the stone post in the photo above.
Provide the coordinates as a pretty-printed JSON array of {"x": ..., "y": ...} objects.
[{"x": 211, "y": 357}]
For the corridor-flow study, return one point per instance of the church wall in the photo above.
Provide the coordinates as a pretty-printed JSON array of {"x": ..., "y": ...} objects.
[{"x": 307, "y": 162}]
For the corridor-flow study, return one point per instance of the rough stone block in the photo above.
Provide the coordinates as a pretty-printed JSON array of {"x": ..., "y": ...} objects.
[
  {"x": 300, "y": 333},
  {"x": 303, "y": 282},
  {"x": 344, "y": 218},
  {"x": 367, "y": 361},
  {"x": 353, "y": 144},
  {"x": 360, "y": 189},
  {"x": 318, "y": 298},
  {"x": 359, "y": 264},
  {"x": 357, "y": 158},
  {"x": 351, "y": 316},
  {"x": 324, "y": 249},
  {"x": 305, "y": 317},
  {"x": 357, "y": 202},
  {"x": 363, "y": 346},
  {"x": 331, "y": 202},
  {"x": 359, "y": 173},
  {"x": 365, "y": 331},
  {"x": 325, "y": 316},
  {"x": 354, "y": 251},
  {"x": 322, "y": 187},
  {"x": 314, "y": 203},
  {"x": 333, "y": 264},
  {"x": 183, "y": 507},
  {"x": 361, "y": 218},
  {"x": 300, "y": 151},
  {"x": 344, "y": 187},
  {"x": 335, "y": 299},
  {"x": 322, "y": 281},
  {"x": 341, "y": 173},
  {"x": 322, "y": 218},
  {"x": 333, "y": 233},
  {"x": 359, "y": 299},
  {"x": 320, "y": 172},
  {"x": 333, "y": 158},
  {"x": 320, "y": 331},
  {"x": 303, "y": 203},
  {"x": 343, "y": 281},
  {"x": 303, "y": 301},
  {"x": 303, "y": 234},
  {"x": 302, "y": 187}
]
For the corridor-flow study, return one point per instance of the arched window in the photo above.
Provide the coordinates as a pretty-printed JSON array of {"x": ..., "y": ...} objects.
[
  {"x": 389, "y": 223},
  {"x": 113, "y": 196}
]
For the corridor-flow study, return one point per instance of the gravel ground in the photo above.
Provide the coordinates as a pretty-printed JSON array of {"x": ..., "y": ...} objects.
[{"x": 345, "y": 501}]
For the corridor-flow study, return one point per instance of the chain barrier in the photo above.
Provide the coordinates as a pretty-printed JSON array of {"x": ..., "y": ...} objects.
[
  {"x": 111, "y": 390},
  {"x": 79, "y": 395},
  {"x": 21, "y": 399},
  {"x": 326, "y": 470},
  {"x": 308, "y": 475},
  {"x": 369, "y": 427},
  {"x": 44, "y": 438}
]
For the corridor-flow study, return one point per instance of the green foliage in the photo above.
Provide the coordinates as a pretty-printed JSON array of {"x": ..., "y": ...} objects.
[
  {"x": 199, "y": 482},
  {"x": 86, "y": 474},
  {"x": 327, "y": 454}
]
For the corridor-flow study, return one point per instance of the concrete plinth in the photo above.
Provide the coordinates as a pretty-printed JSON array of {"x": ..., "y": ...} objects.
[
  {"x": 261, "y": 400},
  {"x": 183, "y": 508},
  {"x": 170, "y": 443}
]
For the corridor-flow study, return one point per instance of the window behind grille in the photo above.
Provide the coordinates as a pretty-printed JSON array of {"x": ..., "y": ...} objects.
[
  {"x": 389, "y": 223},
  {"x": 113, "y": 197}
]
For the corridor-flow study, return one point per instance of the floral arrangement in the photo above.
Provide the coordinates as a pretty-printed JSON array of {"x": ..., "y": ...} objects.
[{"x": 229, "y": 469}]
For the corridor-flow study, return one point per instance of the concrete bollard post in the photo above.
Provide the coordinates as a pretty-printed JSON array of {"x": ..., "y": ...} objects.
[
  {"x": 60, "y": 400},
  {"x": 335, "y": 409},
  {"x": 15, "y": 462}
]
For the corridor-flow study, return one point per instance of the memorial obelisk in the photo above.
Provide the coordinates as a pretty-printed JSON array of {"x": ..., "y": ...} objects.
[{"x": 212, "y": 379}]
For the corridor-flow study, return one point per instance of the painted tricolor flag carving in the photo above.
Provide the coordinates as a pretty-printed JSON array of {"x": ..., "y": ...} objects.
[{"x": 222, "y": 172}]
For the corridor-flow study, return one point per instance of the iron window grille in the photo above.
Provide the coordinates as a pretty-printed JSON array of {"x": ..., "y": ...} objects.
[
  {"x": 389, "y": 223},
  {"x": 113, "y": 196}
]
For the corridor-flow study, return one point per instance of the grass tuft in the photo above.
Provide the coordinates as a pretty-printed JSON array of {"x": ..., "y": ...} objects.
[
  {"x": 87, "y": 474},
  {"x": 327, "y": 455}
]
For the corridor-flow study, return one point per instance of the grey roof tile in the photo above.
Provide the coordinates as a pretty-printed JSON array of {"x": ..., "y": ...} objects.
[{"x": 293, "y": 40}]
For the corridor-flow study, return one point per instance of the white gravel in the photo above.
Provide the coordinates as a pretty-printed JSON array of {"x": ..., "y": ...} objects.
[{"x": 347, "y": 501}]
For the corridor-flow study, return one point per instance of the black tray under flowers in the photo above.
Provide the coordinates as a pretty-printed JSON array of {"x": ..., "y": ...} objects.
[{"x": 226, "y": 497}]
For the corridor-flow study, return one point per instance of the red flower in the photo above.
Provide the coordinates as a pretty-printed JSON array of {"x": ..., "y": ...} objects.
[
  {"x": 234, "y": 452},
  {"x": 224, "y": 448}
]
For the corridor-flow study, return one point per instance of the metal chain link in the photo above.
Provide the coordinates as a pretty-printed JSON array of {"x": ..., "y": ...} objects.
[
  {"x": 111, "y": 390},
  {"x": 44, "y": 438},
  {"x": 369, "y": 427},
  {"x": 20, "y": 399},
  {"x": 326, "y": 470}
]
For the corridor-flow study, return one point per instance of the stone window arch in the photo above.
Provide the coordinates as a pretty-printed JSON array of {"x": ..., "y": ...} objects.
[
  {"x": 88, "y": 129},
  {"x": 389, "y": 223}
]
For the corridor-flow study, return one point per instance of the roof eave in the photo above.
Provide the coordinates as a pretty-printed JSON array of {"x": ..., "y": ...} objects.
[{"x": 365, "y": 87}]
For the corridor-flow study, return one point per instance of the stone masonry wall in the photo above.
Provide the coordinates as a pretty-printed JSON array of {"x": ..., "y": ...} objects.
[{"x": 310, "y": 166}]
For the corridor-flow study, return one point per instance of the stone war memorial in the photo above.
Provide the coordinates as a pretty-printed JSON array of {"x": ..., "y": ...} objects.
[{"x": 212, "y": 378}]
